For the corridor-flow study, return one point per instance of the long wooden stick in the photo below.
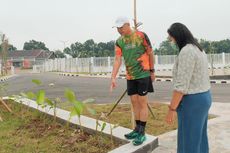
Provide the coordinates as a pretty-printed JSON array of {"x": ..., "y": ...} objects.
[
  {"x": 117, "y": 102},
  {"x": 151, "y": 111},
  {"x": 5, "y": 105},
  {"x": 1, "y": 119}
]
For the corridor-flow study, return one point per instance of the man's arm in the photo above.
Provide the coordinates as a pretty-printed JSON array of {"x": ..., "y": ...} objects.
[
  {"x": 149, "y": 51},
  {"x": 151, "y": 65},
  {"x": 151, "y": 60},
  {"x": 116, "y": 66}
]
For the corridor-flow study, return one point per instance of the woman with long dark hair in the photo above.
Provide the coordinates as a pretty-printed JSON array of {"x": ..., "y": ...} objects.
[{"x": 191, "y": 98}]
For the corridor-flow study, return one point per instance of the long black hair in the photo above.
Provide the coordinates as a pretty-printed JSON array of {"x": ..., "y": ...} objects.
[{"x": 182, "y": 35}]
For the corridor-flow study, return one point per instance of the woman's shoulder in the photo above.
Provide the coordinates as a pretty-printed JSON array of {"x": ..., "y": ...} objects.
[
  {"x": 188, "y": 49},
  {"x": 191, "y": 49}
]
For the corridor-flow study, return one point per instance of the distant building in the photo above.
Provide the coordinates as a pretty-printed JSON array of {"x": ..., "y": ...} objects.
[{"x": 27, "y": 58}]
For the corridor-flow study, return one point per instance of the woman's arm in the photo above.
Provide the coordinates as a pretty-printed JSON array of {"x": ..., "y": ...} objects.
[
  {"x": 176, "y": 98},
  {"x": 185, "y": 67}
]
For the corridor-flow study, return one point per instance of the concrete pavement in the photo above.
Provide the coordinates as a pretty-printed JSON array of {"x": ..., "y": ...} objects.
[
  {"x": 98, "y": 88},
  {"x": 218, "y": 132}
]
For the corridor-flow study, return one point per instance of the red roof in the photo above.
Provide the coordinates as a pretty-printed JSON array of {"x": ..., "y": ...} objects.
[{"x": 38, "y": 53}]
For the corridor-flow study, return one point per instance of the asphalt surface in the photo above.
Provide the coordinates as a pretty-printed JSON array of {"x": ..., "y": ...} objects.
[{"x": 97, "y": 88}]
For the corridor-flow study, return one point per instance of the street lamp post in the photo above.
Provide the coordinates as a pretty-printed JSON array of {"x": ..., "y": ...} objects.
[{"x": 64, "y": 44}]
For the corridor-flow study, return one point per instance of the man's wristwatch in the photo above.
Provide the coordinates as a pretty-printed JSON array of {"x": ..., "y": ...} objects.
[{"x": 152, "y": 70}]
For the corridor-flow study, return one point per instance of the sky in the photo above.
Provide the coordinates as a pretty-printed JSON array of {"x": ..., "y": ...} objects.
[{"x": 59, "y": 23}]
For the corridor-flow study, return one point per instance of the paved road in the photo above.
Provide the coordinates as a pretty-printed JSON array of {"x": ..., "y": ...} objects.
[{"x": 98, "y": 88}]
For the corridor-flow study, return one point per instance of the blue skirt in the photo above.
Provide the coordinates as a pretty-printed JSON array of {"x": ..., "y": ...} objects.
[{"x": 192, "y": 115}]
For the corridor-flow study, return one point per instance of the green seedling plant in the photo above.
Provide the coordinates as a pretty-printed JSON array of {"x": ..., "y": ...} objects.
[
  {"x": 78, "y": 106},
  {"x": 112, "y": 127},
  {"x": 28, "y": 95},
  {"x": 97, "y": 120},
  {"x": 41, "y": 99},
  {"x": 97, "y": 124},
  {"x": 103, "y": 126}
]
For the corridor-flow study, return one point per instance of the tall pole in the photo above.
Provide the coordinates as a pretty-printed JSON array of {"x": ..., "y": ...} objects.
[
  {"x": 4, "y": 49},
  {"x": 135, "y": 27},
  {"x": 64, "y": 44},
  {"x": 135, "y": 14},
  {"x": 2, "y": 39}
]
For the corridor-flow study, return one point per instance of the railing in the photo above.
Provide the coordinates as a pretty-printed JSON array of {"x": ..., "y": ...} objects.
[{"x": 105, "y": 64}]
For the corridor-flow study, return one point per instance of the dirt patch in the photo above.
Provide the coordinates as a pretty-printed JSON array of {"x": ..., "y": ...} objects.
[{"x": 30, "y": 131}]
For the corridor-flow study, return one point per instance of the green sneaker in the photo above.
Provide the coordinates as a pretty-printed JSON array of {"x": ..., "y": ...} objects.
[
  {"x": 131, "y": 135},
  {"x": 139, "y": 139}
]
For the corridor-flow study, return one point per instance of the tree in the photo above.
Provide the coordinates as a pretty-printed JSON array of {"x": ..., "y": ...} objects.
[
  {"x": 33, "y": 44},
  {"x": 59, "y": 54},
  {"x": 222, "y": 46},
  {"x": 11, "y": 48},
  {"x": 166, "y": 49},
  {"x": 74, "y": 50},
  {"x": 90, "y": 49},
  {"x": 89, "y": 45},
  {"x": 206, "y": 46},
  {"x": 110, "y": 46}
]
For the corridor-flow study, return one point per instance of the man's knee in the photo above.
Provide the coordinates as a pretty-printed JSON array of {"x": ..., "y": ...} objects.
[
  {"x": 134, "y": 99},
  {"x": 143, "y": 101}
]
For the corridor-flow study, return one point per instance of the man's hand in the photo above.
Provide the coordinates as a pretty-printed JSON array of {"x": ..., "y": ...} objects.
[
  {"x": 113, "y": 84},
  {"x": 153, "y": 77}
]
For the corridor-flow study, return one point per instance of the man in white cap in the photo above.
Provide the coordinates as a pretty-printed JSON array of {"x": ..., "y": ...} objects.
[{"x": 137, "y": 51}]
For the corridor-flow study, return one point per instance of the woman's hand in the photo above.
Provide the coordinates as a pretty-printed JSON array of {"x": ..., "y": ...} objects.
[{"x": 170, "y": 117}]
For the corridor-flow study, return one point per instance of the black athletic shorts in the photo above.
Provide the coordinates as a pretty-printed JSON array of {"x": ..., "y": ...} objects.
[{"x": 140, "y": 86}]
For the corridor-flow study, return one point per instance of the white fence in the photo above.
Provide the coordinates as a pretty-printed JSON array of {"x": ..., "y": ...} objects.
[{"x": 105, "y": 64}]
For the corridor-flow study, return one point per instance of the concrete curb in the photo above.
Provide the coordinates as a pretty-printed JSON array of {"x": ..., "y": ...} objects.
[
  {"x": 89, "y": 124},
  {"x": 5, "y": 78},
  {"x": 68, "y": 74},
  {"x": 170, "y": 80},
  {"x": 220, "y": 81},
  {"x": 211, "y": 81},
  {"x": 123, "y": 77},
  {"x": 101, "y": 75}
]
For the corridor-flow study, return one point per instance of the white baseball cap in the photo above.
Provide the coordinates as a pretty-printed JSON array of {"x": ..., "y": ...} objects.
[{"x": 120, "y": 21}]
